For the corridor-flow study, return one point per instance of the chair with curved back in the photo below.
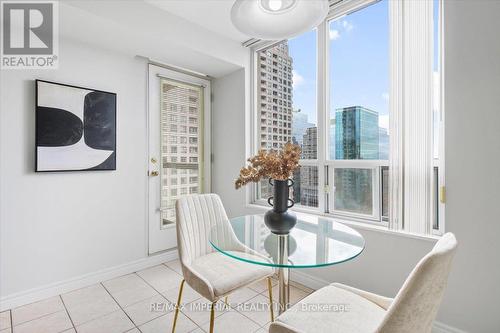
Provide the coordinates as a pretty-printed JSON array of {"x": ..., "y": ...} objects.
[
  {"x": 212, "y": 274},
  {"x": 350, "y": 310}
]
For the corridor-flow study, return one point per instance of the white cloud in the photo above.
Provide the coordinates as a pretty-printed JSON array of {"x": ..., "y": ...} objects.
[
  {"x": 347, "y": 25},
  {"x": 343, "y": 25},
  {"x": 297, "y": 79},
  {"x": 385, "y": 96},
  {"x": 334, "y": 34}
]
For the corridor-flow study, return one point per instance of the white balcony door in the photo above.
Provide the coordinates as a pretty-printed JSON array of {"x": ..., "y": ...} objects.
[{"x": 179, "y": 148}]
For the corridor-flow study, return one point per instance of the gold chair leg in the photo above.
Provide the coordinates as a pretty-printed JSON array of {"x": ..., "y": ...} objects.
[
  {"x": 178, "y": 305},
  {"x": 270, "y": 289},
  {"x": 212, "y": 317},
  {"x": 226, "y": 303}
]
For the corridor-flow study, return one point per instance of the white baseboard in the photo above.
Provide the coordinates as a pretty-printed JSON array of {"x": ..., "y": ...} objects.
[
  {"x": 61, "y": 287},
  {"x": 307, "y": 280},
  {"x": 314, "y": 282}
]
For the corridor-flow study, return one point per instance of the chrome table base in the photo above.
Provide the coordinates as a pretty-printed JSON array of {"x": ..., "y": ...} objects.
[{"x": 283, "y": 274}]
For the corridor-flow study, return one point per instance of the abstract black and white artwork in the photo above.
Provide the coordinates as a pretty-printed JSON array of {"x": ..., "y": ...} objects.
[{"x": 75, "y": 128}]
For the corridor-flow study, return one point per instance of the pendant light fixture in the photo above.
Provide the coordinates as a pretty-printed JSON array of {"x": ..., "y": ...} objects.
[{"x": 277, "y": 19}]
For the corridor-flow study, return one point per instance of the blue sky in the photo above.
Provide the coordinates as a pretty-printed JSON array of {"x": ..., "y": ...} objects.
[{"x": 359, "y": 63}]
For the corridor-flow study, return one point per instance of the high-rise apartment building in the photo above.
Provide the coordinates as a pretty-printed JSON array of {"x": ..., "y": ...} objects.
[
  {"x": 309, "y": 174},
  {"x": 275, "y": 96},
  {"x": 310, "y": 144},
  {"x": 180, "y": 144},
  {"x": 275, "y": 84}
]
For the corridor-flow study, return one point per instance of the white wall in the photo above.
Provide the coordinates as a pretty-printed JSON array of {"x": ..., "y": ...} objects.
[
  {"x": 55, "y": 226},
  {"x": 472, "y": 141},
  {"x": 472, "y": 93},
  {"x": 228, "y": 141}
]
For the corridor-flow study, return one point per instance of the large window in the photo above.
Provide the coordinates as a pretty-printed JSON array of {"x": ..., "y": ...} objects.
[
  {"x": 331, "y": 91},
  {"x": 287, "y": 79},
  {"x": 358, "y": 62}
]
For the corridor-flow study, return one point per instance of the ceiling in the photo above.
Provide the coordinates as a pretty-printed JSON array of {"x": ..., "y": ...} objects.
[
  {"x": 139, "y": 28},
  {"x": 213, "y": 15}
]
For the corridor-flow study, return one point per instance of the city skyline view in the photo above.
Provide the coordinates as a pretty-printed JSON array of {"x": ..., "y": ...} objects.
[
  {"x": 358, "y": 104},
  {"x": 358, "y": 61}
]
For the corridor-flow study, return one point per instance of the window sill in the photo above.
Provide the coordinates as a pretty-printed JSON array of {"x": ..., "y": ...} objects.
[{"x": 354, "y": 224}]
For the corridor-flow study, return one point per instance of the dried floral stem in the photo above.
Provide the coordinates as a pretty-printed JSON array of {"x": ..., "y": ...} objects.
[{"x": 277, "y": 165}]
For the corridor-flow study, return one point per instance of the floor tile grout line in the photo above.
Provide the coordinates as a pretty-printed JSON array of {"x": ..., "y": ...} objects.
[
  {"x": 140, "y": 331},
  {"x": 11, "y": 317},
  {"x": 173, "y": 270},
  {"x": 152, "y": 287},
  {"x": 67, "y": 312},
  {"x": 167, "y": 299},
  {"x": 98, "y": 317},
  {"x": 215, "y": 319},
  {"x": 159, "y": 293},
  {"x": 119, "y": 305},
  {"x": 253, "y": 321},
  {"x": 192, "y": 320},
  {"x": 258, "y": 324},
  {"x": 11, "y": 321},
  {"x": 141, "y": 300},
  {"x": 29, "y": 321},
  {"x": 146, "y": 322}
]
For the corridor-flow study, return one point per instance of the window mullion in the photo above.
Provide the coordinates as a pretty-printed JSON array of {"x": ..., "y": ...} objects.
[
  {"x": 396, "y": 116},
  {"x": 322, "y": 112}
]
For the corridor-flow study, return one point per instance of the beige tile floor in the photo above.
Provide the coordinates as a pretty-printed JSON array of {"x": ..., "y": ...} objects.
[{"x": 124, "y": 304}]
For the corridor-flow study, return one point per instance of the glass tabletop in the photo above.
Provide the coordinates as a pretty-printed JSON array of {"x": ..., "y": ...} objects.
[{"x": 314, "y": 242}]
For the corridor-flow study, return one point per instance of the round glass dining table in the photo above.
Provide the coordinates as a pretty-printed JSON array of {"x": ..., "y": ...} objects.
[{"x": 313, "y": 242}]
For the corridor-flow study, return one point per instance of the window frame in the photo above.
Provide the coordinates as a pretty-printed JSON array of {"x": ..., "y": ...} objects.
[
  {"x": 440, "y": 161},
  {"x": 326, "y": 166}
]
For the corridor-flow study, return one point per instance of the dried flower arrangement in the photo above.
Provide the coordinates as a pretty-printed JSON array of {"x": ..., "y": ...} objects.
[{"x": 277, "y": 165}]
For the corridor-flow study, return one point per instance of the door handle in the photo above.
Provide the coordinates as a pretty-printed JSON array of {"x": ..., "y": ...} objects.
[{"x": 154, "y": 173}]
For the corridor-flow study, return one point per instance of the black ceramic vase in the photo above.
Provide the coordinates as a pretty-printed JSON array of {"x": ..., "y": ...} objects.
[{"x": 279, "y": 220}]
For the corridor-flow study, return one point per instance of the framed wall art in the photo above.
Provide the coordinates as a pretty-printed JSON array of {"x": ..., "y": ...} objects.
[{"x": 75, "y": 128}]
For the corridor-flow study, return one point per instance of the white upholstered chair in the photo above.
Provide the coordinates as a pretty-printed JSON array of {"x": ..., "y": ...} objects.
[
  {"x": 212, "y": 274},
  {"x": 350, "y": 310}
]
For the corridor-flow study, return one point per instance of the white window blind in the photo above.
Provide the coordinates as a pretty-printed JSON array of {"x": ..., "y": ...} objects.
[
  {"x": 181, "y": 149},
  {"x": 411, "y": 115}
]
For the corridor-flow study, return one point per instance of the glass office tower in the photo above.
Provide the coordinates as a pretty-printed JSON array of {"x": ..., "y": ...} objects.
[
  {"x": 357, "y": 137},
  {"x": 357, "y": 134}
]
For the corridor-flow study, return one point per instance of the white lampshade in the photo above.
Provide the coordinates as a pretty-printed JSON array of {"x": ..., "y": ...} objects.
[{"x": 277, "y": 19}]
